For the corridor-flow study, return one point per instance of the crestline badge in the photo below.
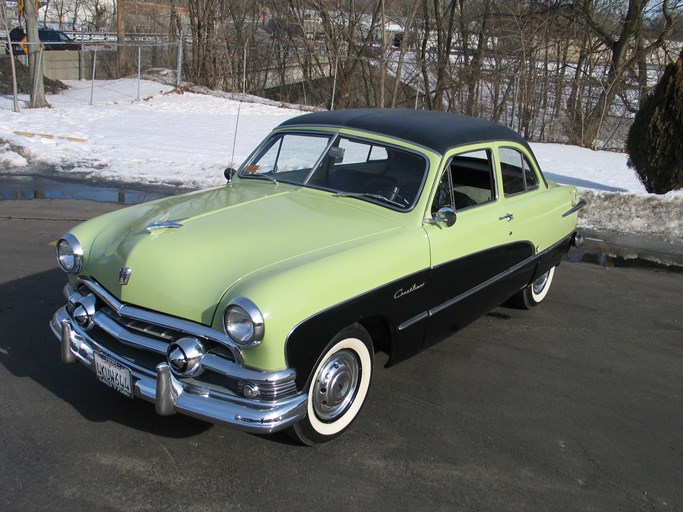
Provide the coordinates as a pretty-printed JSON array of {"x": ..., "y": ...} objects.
[
  {"x": 124, "y": 275},
  {"x": 402, "y": 292}
]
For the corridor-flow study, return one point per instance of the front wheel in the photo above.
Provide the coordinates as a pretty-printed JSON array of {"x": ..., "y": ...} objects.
[
  {"x": 534, "y": 294},
  {"x": 338, "y": 387}
]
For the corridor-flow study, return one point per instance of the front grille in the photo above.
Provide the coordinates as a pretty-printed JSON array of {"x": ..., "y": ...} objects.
[
  {"x": 126, "y": 331},
  {"x": 143, "y": 328},
  {"x": 141, "y": 339}
]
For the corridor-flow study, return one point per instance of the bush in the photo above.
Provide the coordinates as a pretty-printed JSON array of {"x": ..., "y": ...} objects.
[{"x": 655, "y": 140}]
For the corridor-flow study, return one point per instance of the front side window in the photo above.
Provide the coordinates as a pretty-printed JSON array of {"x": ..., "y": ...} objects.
[
  {"x": 467, "y": 181},
  {"x": 357, "y": 168},
  {"x": 518, "y": 174}
]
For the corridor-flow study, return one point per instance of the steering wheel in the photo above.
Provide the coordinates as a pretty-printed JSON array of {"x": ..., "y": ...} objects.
[{"x": 388, "y": 189}]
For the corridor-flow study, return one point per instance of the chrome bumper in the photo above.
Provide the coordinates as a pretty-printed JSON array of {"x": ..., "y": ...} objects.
[{"x": 171, "y": 395}]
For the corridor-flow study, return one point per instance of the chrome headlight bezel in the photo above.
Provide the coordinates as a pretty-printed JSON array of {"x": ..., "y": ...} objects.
[
  {"x": 243, "y": 315},
  {"x": 69, "y": 247}
]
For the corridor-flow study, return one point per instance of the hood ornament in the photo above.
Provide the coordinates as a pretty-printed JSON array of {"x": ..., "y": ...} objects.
[
  {"x": 124, "y": 275},
  {"x": 166, "y": 224}
]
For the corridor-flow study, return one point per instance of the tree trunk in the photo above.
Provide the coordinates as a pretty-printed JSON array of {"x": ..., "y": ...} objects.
[
  {"x": 35, "y": 57},
  {"x": 121, "y": 37}
]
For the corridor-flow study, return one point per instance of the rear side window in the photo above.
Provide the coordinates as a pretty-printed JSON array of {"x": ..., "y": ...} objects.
[{"x": 518, "y": 174}]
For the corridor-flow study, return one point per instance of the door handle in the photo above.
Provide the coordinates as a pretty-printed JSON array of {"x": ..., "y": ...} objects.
[{"x": 507, "y": 216}]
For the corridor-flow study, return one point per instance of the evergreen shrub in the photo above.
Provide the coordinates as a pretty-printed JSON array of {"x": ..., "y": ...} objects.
[{"x": 655, "y": 140}]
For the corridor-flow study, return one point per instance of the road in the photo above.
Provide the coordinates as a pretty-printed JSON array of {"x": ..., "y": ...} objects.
[{"x": 575, "y": 405}]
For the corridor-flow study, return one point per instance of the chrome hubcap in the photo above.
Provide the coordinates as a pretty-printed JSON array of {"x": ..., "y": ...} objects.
[
  {"x": 335, "y": 386},
  {"x": 540, "y": 283}
]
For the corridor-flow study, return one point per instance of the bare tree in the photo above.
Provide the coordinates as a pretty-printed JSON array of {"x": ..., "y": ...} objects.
[
  {"x": 625, "y": 48},
  {"x": 35, "y": 54},
  {"x": 202, "y": 14}
]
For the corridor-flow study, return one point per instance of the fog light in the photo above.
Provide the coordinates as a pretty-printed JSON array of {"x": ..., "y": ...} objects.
[
  {"x": 185, "y": 355},
  {"x": 83, "y": 311},
  {"x": 250, "y": 390}
]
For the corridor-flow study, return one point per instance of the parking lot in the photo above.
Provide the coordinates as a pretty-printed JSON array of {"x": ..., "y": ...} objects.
[{"x": 574, "y": 405}]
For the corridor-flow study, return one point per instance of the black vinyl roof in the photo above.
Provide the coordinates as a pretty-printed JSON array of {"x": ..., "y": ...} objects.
[{"x": 438, "y": 131}]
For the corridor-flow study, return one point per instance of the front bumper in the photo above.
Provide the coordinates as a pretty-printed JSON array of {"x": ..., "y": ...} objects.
[{"x": 170, "y": 395}]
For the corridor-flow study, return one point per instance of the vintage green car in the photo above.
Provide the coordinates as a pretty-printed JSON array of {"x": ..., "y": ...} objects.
[{"x": 260, "y": 304}]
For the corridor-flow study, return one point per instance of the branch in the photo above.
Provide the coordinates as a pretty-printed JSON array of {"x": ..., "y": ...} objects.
[{"x": 585, "y": 6}]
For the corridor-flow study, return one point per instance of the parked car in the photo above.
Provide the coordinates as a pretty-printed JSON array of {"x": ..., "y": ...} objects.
[
  {"x": 50, "y": 39},
  {"x": 260, "y": 304}
]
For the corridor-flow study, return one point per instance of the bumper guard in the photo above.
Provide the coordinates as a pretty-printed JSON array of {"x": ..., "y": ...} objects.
[{"x": 171, "y": 395}]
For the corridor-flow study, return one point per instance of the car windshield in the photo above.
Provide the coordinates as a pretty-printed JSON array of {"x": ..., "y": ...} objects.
[{"x": 353, "y": 168}]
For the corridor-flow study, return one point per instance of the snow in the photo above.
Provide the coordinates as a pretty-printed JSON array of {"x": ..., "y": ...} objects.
[{"x": 186, "y": 139}]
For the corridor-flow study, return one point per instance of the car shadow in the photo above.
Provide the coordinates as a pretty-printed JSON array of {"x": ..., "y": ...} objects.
[{"x": 28, "y": 349}]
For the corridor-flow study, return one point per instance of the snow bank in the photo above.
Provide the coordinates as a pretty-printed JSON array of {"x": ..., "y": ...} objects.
[
  {"x": 651, "y": 215},
  {"x": 185, "y": 139}
]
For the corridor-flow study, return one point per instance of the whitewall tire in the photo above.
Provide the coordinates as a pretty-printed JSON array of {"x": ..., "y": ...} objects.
[
  {"x": 338, "y": 387},
  {"x": 534, "y": 294}
]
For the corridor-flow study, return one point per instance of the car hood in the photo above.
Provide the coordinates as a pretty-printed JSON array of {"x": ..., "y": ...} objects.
[{"x": 185, "y": 252}]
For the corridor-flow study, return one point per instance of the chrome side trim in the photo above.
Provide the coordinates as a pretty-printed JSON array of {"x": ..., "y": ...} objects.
[
  {"x": 186, "y": 326},
  {"x": 576, "y": 208},
  {"x": 422, "y": 316}
]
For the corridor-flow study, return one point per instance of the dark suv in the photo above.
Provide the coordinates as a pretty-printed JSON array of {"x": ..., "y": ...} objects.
[{"x": 51, "y": 39}]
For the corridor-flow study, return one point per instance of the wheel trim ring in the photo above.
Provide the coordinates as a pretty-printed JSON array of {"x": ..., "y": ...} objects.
[{"x": 344, "y": 420}]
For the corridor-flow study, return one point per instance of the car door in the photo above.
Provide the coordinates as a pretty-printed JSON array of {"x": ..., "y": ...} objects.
[
  {"x": 531, "y": 209},
  {"x": 474, "y": 262}
]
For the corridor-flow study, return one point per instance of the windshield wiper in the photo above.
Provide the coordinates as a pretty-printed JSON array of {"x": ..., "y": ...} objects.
[{"x": 362, "y": 195}]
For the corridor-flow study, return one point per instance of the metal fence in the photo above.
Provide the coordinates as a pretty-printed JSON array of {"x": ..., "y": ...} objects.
[{"x": 94, "y": 63}]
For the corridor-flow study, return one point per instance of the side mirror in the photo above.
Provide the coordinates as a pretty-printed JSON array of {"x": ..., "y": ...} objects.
[
  {"x": 336, "y": 154},
  {"x": 229, "y": 173},
  {"x": 446, "y": 215}
]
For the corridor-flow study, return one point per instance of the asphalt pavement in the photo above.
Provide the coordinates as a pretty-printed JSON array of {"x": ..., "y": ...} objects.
[{"x": 574, "y": 405}]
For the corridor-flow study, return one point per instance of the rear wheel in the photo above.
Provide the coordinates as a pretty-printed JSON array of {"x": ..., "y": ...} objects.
[
  {"x": 338, "y": 387},
  {"x": 534, "y": 294}
]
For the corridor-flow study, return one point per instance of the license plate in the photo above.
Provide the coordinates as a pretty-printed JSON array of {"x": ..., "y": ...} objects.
[{"x": 113, "y": 375}]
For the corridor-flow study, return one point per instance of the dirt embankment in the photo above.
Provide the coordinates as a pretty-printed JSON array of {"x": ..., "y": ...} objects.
[{"x": 23, "y": 78}]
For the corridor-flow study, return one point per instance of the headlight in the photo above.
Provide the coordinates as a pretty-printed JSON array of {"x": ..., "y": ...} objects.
[
  {"x": 69, "y": 254},
  {"x": 243, "y": 322}
]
